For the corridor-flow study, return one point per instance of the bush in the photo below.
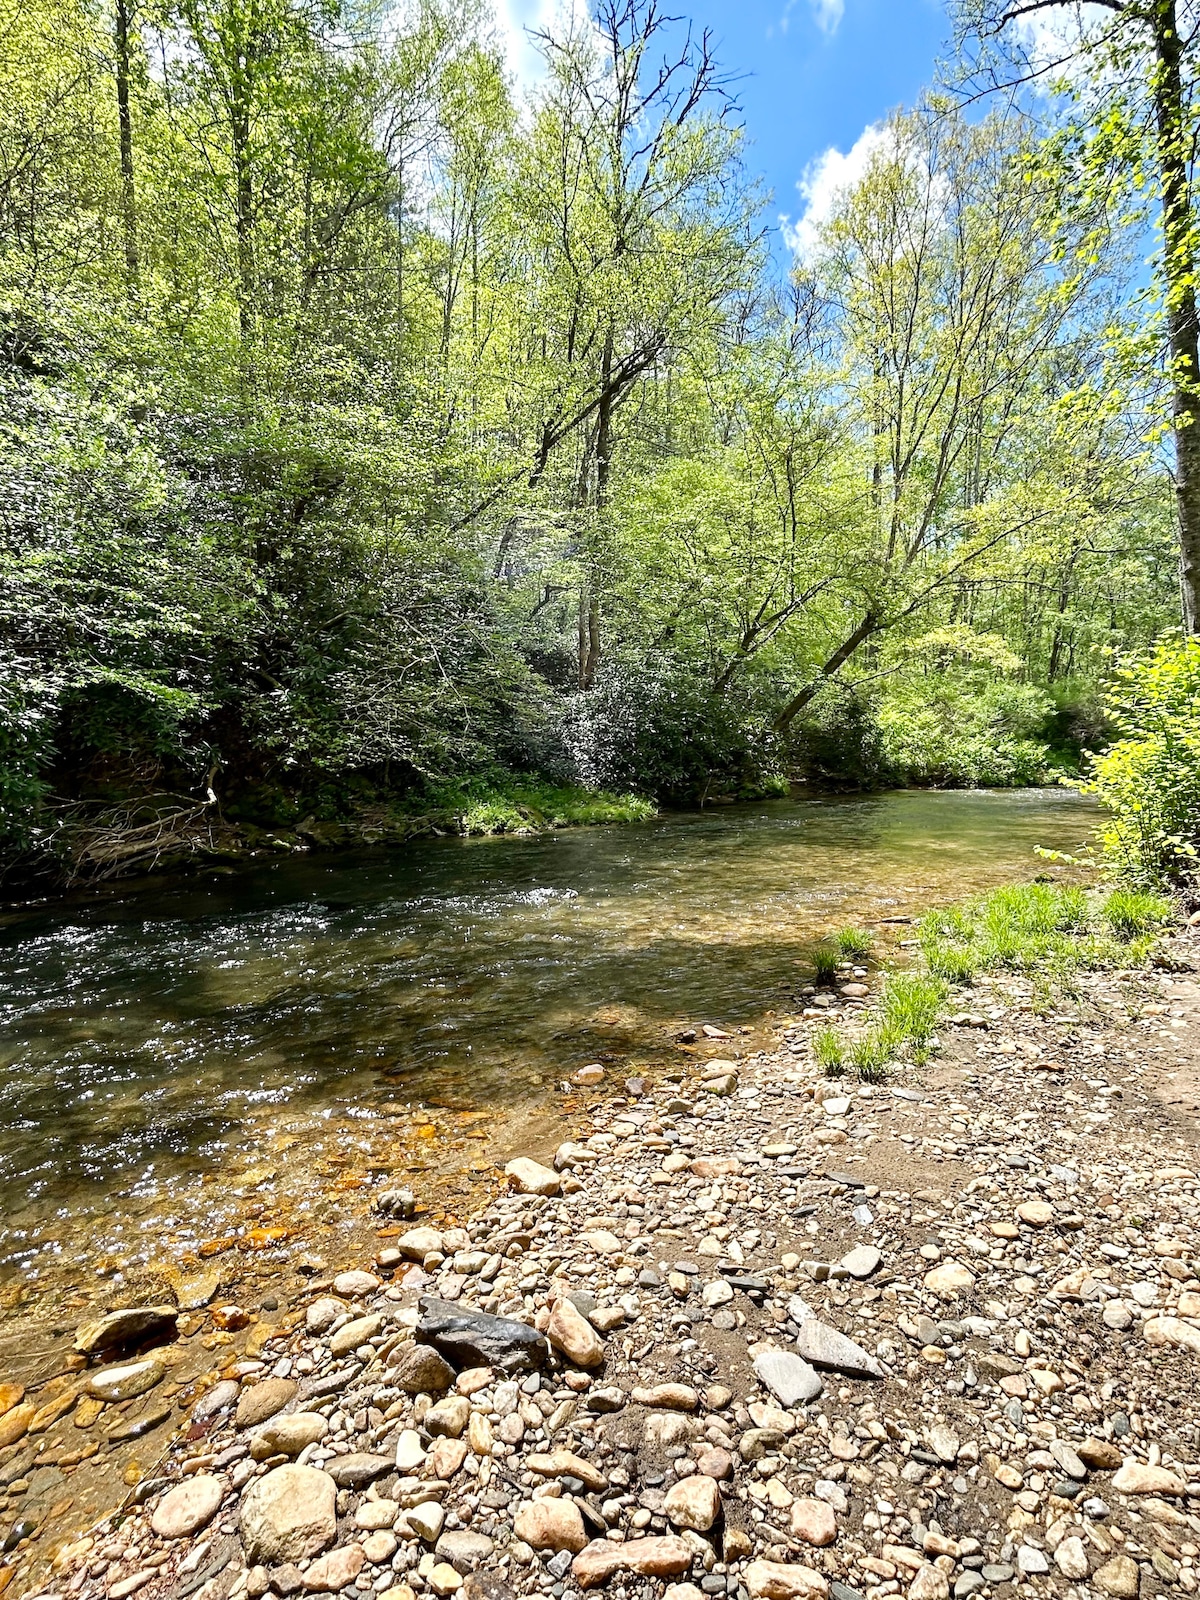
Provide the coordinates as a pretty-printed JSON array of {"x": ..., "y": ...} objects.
[
  {"x": 502, "y": 804},
  {"x": 959, "y": 731},
  {"x": 1149, "y": 781},
  {"x": 654, "y": 727}
]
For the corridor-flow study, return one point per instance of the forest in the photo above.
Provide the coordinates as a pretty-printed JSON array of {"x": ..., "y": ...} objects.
[{"x": 382, "y": 439}]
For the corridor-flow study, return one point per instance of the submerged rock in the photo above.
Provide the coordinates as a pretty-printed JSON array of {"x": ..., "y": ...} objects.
[
  {"x": 125, "y": 1383},
  {"x": 129, "y": 1326}
]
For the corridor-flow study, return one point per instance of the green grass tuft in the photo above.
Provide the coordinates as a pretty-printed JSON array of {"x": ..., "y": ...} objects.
[
  {"x": 911, "y": 1005},
  {"x": 1129, "y": 912},
  {"x": 872, "y": 1052},
  {"x": 829, "y": 1051},
  {"x": 852, "y": 943},
  {"x": 825, "y": 960}
]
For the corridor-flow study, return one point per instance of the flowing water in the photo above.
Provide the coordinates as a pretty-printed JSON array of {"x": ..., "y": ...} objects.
[{"x": 188, "y": 1061}]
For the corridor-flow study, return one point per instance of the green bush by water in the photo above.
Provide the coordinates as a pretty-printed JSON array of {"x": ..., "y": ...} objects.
[
  {"x": 491, "y": 806},
  {"x": 1149, "y": 780},
  {"x": 1130, "y": 912}
]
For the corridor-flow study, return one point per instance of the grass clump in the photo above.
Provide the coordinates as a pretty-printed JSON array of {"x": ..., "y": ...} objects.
[
  {"x": 1015, "y": 929},
  {"x": 825, "y": 960},
  {"x": 852, "y": 944},
  {"x": 912, "y": 1003},
  {"x": 1130, "y": 912},
  {"x": 872, "y": 1052},
  {"x": 829, "y": 1051},
  {"x": 1050, "y": 933}
]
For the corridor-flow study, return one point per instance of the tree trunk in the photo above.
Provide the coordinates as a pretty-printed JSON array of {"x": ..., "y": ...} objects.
[
  {"x": 868, "y": 626},
  {"x": 589, "y": 625},
  {"x": 1183, "y": 327},
  {"x": 125, "y": 137},
  {"x": 244, "y": 219}
]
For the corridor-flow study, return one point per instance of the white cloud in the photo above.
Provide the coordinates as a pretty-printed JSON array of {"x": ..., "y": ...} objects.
[
  {"x": 517, "y": 20},
  {"x": 828, "y": 13},
  {"x": 830, "y": 175}
]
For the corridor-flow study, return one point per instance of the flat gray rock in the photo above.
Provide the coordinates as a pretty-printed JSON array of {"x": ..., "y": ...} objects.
[
  {"x": 473, "y": 1339},
  {"x": 789, "y": 1378},
  {"x": 824, "y": 1346},
  {"x": 358, "y": 1470}
]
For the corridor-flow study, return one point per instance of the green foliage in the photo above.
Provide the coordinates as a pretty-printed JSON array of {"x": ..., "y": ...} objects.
[
  {"x": 870, "y": 1054},
  {"x": 965, "y": 731},
  {"x": 364, "y": 432},
  {"x": 829, "y": 1052},
  {"x": 910, "y": 1006},
  {"x": 853, "y": 943},
  {"x": 1129, "y": 912},
  {"x": 1036, "y": 928},
  {"x": 825, "y": 961},
  {"x": 491, "y": 805},
  {"x": 1149, "y": 780},
  {"x": 1049, "y": 933}
]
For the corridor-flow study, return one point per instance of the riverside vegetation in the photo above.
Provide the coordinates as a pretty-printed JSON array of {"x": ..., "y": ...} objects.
[{"x": 371, "y": 427}]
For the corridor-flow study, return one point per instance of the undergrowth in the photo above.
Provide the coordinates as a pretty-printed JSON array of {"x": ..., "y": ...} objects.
[
  {"x": 1049, "y": 933},
  {"x": 490, "y": 807}
]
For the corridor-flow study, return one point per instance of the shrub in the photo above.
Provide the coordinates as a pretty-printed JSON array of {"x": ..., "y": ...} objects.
[
  {"x": 1149, "y": 781},
  {"x": 655, "y": 728}
]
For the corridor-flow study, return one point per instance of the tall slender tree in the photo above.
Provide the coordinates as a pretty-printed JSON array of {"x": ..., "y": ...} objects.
[{"x": 1138, "y": 58}]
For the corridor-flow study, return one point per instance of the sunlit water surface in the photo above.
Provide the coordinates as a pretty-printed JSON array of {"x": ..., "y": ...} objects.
[{"x": 155, "y": 1043}]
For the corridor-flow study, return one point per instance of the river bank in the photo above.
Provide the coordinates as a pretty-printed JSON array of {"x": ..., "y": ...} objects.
[
  {"x": 1007, "y": 1239},
  {"x": 86, "y": 846}
]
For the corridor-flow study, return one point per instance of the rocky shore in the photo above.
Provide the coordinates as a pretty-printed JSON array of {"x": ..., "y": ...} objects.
[{"x": 753, "y": 1333}]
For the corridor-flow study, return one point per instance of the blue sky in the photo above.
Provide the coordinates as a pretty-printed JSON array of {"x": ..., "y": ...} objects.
[
  {"x": 819, "y": 72},
  {"x": 814, "y": 74}
]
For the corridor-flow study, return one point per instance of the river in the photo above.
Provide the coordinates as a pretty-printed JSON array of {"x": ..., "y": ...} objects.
[{"x": 234, "y": 1057}]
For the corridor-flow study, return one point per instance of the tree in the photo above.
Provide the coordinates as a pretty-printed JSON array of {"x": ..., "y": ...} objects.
[
  {"x": 1131, "y": 70},
  {"x": 637, "y": 233},
  {"x": 952, "y": 312}
]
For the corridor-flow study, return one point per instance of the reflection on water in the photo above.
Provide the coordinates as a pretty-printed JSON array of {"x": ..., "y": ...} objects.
[{"x": 142, "y": 1039}]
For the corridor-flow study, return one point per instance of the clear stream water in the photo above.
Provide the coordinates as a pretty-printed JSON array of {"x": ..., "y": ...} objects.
[{"x": 153, "y": 1042}]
